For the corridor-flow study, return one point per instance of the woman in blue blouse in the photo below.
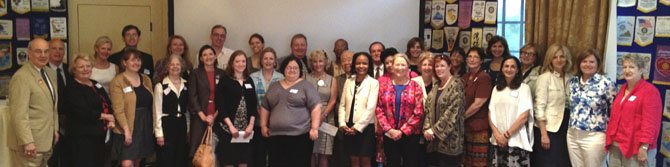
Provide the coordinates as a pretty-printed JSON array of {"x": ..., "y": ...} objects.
[
  {"x": 262, "y": 80},
  {"x": 591, "y": 95}
]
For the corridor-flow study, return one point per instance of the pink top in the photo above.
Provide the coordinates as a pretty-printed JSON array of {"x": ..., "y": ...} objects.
[
  {"x": 411, "y": 108},
  {"x": 636, "y": 120}
]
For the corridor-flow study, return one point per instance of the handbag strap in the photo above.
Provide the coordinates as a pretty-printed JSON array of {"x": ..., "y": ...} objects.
[{"x": 208, "y": 136}]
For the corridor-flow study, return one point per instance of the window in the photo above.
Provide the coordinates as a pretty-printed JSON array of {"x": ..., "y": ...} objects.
[{"x": 511, "y": 23}]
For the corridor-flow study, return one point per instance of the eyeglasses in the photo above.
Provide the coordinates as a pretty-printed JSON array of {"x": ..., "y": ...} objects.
[
  {"x": 528, "y": 53},
  {"x": 293, "y": 68}
]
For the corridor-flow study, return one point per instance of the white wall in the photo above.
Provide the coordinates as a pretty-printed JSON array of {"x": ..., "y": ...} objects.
[{"x": 360, "y": 22}]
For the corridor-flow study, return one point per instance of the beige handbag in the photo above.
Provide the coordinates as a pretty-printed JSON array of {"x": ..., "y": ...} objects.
[{"x": 203, "y": 156}]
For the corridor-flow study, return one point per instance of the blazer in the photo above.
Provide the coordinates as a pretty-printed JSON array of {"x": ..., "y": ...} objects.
[
  {"x": 124, "y": 103},
  {"x": 411, "y": 108},
  {"x": 84, "y": 107},
  {"x": 32, "y": 111},
  {"x": 445, "y": 115},
  {"x": 635, "y": 119},
  {"x": 550, "y": 101},
  {"x": 364, "y": 106},
  {"x": 419, "y": 80},
  {"x": 198, "y": 97}
]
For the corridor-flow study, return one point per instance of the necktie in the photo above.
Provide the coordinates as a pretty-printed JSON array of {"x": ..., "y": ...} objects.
[
  {"x": 377, "y": 73},
  {"x": 61, "y": 80},
  {"x": 48, "y": 82}
]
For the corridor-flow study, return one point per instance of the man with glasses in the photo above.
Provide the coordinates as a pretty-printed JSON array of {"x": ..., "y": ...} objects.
[
  {"x": 218, "y": 37},
  {"x": 33, "y": 120},
  {"x": 131, "y": 36}
]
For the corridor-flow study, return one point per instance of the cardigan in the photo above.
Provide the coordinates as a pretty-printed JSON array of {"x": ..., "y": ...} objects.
[
  {"x": 445, "y": 115},
  {"x": 228, "y": 93},
  {"x": 123, "y": 101},
  {"x": 635, "y": 119},
  {"x": 411, "y": 108},
  {"x": 84, "y": 107}
]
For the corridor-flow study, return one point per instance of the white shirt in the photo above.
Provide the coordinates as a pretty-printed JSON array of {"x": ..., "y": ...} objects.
[
  {"x": 381, "y": 70},
  {"x": 158, "y": 102},
  {"x": 223, "y": 57},
  {"x": 104, "y": 76},
  {"x": 505, "y": 107},
  {"x": 62, "y": 71}
]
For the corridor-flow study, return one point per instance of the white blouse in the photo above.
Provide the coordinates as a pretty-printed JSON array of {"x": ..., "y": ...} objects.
[
  {"x": 505, "y": 107},
  {"x": 104, "y": 76}
]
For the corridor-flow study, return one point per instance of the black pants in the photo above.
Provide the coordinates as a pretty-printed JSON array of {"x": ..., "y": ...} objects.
[
  {"x": 175, "y": 151},
  {"x": 60, "y": 156},
  {"x": 436, "y": 159},
  {"x": 557, "y": 155},
  {"x": 290, "y": 151},
  {"x": 260, "y": 149},
  {"x": 403, "y": 152}
]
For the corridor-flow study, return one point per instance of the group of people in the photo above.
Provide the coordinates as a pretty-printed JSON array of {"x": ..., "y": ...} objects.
[{"x": 475, "y": 107}]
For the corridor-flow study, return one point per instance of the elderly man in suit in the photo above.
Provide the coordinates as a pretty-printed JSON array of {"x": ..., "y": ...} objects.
[{"x": 33, "y": 122}]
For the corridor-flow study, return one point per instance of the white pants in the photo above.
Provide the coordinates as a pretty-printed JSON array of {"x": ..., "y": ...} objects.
[
  {"x": 616, "y": 158},
  {"x": 586, "y": 148}
]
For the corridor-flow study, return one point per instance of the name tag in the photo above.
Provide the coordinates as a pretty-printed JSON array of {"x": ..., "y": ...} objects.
[
  {"x": 146, "y": 71},
  {"x": 632, "y": 98},
  {"x": 127, "y": 89},
  {"x": 97, "y": 85},
  {"x": 248, "y": 86},
  {"x": 294, "y": 91},
  {"x": 514, "y": 93},
  {"x": 166, "y": 91},
  {"x": 184, "y": 87},
  {"x": 216, "y": 80}
]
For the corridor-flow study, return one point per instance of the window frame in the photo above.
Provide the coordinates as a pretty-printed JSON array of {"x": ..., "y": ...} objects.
[{"x": 500, "y": 24}]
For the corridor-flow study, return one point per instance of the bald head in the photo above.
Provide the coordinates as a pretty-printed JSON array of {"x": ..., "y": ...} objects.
[
  {"x": 38, "y": 52},
  {"x": 56, "y": 51}
]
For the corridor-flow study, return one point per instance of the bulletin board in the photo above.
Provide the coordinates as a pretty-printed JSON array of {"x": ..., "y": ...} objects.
[
  {"x": 643, "y": 28},
  {"x": 447, "y": 24},
  {"x": 21, "y": 21}
]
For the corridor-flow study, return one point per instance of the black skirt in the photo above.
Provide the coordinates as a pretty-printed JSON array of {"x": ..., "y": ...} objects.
[
  {"x": 143, "y": 138},
  {"x": 232, "y": 153},
  {"x": 361, "y": 144}
]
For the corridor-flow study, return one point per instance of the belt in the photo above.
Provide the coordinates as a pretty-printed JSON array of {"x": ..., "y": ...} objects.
[{"x": 178, "y": 115}]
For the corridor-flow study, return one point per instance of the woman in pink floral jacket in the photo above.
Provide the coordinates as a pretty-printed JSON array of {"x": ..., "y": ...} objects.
[{"x": 400, "y": 114}]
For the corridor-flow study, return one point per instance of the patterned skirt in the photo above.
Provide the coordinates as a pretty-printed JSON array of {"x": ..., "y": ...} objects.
[
  {"x": 510, "y": 156},
  {"x": 476, "y": 149}
]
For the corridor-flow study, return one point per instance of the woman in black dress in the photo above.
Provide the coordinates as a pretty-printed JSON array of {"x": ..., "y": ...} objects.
[
  {"x": 90, "y": 115},
  {"x": 171, "y": 107}
]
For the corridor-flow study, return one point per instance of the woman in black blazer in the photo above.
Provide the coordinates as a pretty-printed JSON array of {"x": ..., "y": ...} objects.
[
  {"x": 89, "y": 113},
  {"x": 238, "y": 106},
  {"x": 201, "y": 96}
]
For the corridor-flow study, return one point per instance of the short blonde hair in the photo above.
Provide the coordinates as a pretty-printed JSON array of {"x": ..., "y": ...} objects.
[
  {"x": 551, "y": 52},
  {"x": 635, "y": 59},
  {"x": 318, "y": 54},
  {"x": 76, "y": 57},
  {"x": 401, "y": 56}
]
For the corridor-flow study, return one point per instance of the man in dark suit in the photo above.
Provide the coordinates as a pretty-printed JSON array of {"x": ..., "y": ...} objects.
[
  {"x": 298, "y": 50},
  {"x": 131, "y": 36},
  {"x": 33, "y": 120},
  {"x": 56, "y": 59}
]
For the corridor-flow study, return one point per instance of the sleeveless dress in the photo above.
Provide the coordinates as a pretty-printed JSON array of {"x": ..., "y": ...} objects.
[{"x": 324, "y": 145}]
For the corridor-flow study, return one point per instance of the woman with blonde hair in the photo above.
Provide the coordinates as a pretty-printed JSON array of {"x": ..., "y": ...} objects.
[
  {"x": 103, "y": 71},
  {"x": 327, "y": 88},
  {"x": 551, "y": 110}
]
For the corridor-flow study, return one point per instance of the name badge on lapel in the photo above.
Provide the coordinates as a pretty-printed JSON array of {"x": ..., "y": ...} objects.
[
  {"x": 166, "y": 91},
  {"x": 216, "y": 80},
  {"x": 127, "y": 89},
  {"x": 294, "y": 91},
  {"x": 147, "y": 72},
  {"x": 97, "y": 85},
  {"x": 632, "y": 98},
  {"x": 248, "y": 86},
  {"x": 514, "y": 93}
]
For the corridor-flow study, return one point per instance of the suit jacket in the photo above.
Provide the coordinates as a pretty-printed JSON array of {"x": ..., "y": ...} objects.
[
  {"x": 550, "y": 100},
  {"x": 124, "y": 102},
  {"x": 147, "y": 67},
  {"x": 364, "y": 106},
  {"x": 198, "y": 96},
  {"x": 33, "y": 116}
]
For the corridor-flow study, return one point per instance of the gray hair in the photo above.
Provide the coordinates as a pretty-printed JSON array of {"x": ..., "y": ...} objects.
[{"x": 635, "y": 59}]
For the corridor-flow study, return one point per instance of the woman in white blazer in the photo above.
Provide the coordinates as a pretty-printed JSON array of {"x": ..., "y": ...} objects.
[
  {"x": 551, "y": 113},
  {"x": 357, "y": 111}
]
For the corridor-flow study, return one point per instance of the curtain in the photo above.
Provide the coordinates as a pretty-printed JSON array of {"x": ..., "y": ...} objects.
[{"x": 578, "y": 24}]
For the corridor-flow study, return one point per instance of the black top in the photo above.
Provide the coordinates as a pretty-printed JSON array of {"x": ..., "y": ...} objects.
[
  {"x": 144, "y": 99},
  {"x": 84, "y": 105},
  {"x": 229, "y": 92},
  {"x": 173, "y": 105},
  {"x": 147, "y": 62}
]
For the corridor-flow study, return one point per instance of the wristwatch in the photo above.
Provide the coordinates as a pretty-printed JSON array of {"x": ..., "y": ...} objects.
[{"x": 644, "y": 147}]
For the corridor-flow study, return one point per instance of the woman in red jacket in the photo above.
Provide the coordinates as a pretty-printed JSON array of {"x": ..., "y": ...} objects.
[
  {"x": 635, "y": 119},
  {"x": 400, "y": 114}
]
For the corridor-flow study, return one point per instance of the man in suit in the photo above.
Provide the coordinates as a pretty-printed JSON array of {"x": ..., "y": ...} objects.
[
  {"x": 131, "y": 36},
  {"x": 56, "y": 58},
  {"x": 298, "y": 50},
  {"x": 33, "y": 126}
]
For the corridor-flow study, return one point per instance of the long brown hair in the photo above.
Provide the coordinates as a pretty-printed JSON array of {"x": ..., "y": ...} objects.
[
  {"x": 185, "y": 56},
  {"x": 229, "y": 68}
]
